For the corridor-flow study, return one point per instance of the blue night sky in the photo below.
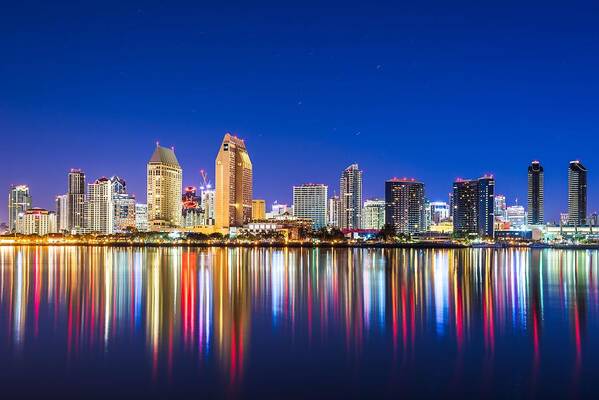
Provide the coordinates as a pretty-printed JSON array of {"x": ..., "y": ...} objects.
[{"x": 434, "y": 90}]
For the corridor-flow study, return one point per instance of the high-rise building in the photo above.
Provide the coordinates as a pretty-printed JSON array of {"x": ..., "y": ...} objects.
[
  {"x": 36, "y": 221},
  {"x": 233, "y": 201},
  {"x": 373, "y": 214},
  {"x": 404, "y": 205},
  {"x": 577, "y": 194},
  {"x": 350, "y": 196},
  {"x": 141, "y": 217},
  {"x": 474, "y": 206},
  {"x": 100, "y": 207},
  {"x": 516, "y": 216},
  {"x": 19, "y": 201},
  {"x": 333, "y": 211},
  {"x": 310, "y": 201},
  {"x": 124, "y": 206},
  {"x": 76, "y": 201},
  {"x": 258, "y": 210},
  {"x": 439, "y": 211},
  {"x": 208, "y": 198},
  {"x": 500, "y": 208},
  {"x": 536, "y": 194},
  {"x": 62, "y": 212},
  {"x": 164, "y": 188}
]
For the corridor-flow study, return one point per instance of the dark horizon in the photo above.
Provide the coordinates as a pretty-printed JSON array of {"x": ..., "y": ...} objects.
[{"x": 433, "y": 91}]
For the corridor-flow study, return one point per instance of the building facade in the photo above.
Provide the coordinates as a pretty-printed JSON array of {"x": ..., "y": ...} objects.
[
  {"x": 474, "y": 206},
  {"x": 333, "y": 211},
  {"x": 234, "y": 183},
  {"x": 164, "y": 188},
  {"x": 258, "y": 210},
  {"x": 404, "y": 205},
  {"x": 62, "y": 212},
  {"x": 36, "y": 221},
  {"x": 577, "y": 194},
  {"x": 76, "y": 201},
  {"x": 310, "y": 201},
  {"x": 19, "y": 201},
  {"x": 124, "y": 206},
  {"x": 100, "y": 207},
  {"x": 141, "y": 217},
  {"x": 350, "y": 198},
  {"x": 373, "y": 214},
  {"x": 536, "y": 194}
]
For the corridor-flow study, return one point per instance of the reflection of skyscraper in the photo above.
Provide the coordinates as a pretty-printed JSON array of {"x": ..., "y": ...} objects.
[
  {"x": 19, "y": 201},
  {"x": 233, "y": 183},
  {"x": 164, "y": 187},
  {"x": 577, "y": 194},
  {"x": 350, "y": 197},
  {"x": 474, "y": 206},
  {"x": 536, "y": 194},
  {"x": 404, "y": 200},
  {"x": 76, "y": 200}
]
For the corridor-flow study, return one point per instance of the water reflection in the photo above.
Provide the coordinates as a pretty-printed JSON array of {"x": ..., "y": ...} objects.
[{"x": 209, "y": 302}]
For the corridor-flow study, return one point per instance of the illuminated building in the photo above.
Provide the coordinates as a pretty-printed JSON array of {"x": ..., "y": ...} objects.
[
  {"x": 474, "y": 206},
  {"x": 208, "y": 197},
  {"x": 500, "y": 208},
  {"x": 36, "y": 221},
  {"x": 258, "y": 210},
  {"x": 141, "y": 217},
  {"x": 124, "y": 206},
  {"x": 310, "y": 201},
  {"x": 333, "y": 211},
  {"x": 404, "y": 202},
  {"x": 373, "y": 214},
  {"x": 19, "y": 201},
  {"x": 439, "y": 211},
  {"x": 350, "y": 196},
  {"x": 62, "y": 212},
  {"x": 536, "y": 194},
  {"x": 164, "y": 187},
  {"x": 577, "y": 194},
  {"x": 76, "y": 201},
  {"x": 516, "y": 216},
  {"x": 233, "y": 201},
  {"x": 100, "y": 207},
  {"x": 193, "y": 215}
]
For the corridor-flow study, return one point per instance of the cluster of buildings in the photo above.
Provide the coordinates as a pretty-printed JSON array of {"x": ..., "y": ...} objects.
[{"x": 104, "y": 206}]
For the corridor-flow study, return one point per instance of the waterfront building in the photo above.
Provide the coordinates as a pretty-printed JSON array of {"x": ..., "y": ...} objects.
[
  {"x": 164, "y": 188},
  {"x": 350, "y": 197},
  {"x": 473, "y": 212},
  {"x": 516, "y": 216},
  {"x": 310, "y": 201},
  {"x": 258, "y": 210},
  {"x": 19, "y": 201},
  {"x": 404, "y": 205},
  {"x": 333, "y": 211},
  {"x": 62, "y": 212},
  {"x": 500, "y": 208},
  {"x": 100, "y": 207},
  {"x": 234, "y": 185},
  {"x": 577, "y": 194},
  {"x": 373, "y": 214},
  {"x": 36, "y": 221},
  {"x": 124, "y": 206},
  {"x": 141, "y": 217},
  {"x": 536, "y": 194},
  {"x": 76, "y": 201}
]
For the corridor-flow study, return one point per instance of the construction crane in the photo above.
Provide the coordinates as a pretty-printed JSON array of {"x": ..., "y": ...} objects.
[{"x": 206, "y": 185}]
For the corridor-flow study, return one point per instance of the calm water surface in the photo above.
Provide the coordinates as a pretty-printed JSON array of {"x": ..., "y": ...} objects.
[{"x": 299, "y": 322}]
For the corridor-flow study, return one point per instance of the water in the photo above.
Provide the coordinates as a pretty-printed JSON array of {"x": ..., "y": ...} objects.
[{"x": 298, "y": 322}]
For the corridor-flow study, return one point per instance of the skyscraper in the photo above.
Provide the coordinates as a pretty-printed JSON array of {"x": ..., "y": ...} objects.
[
  {"x": 500, "y": 208},
  {"x": 141, "y": 217},
  {"x": 404, "y": 202},
  {"x": 373, "y": 214},
  {"x": 233, "y": 183},
  {"x": 124, "y": 206},
  {"x": 474, "y": 206},
  {"x": 310, "y": 201},
  {"x": 333, "y": 211},
  {"x": 76, "y": 201},
  {"x": 536, "y": 194},
  {"x": 100, "y": 207},
  {"x": 350, "y": 196},
  {"x": 62, "y": 213},
  {"x": 577, "y": 194},
  {"x": 19, "y": 201},
  {"x": 164, "y": 188}
]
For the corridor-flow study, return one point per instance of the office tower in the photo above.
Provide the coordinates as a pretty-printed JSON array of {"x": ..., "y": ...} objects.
[
  {"x": 233, "y": 183},
  {"x": 208, "y": 207},
  {"x": 62, "y": 212},
  {"x": 19, "y": 201},
  {"x": 577, "y": 194},
  {"x": 333, "y": 211},
  {"x": 373, "y": 214},
  {"x": 451, "y": 205},
  {"x": 141, "y": 217},
  {"x": 516, "y": 216},
  {"x": 164, "y": 188},
  {"x": 310, "y": 201},
  {"x": 36, "y": 221},
  {"x": 76, "y": 201},
  {"x": 404, "y": 205},
  {"x": 536, "y": 194},
  {"x": 124, "y": 206},
  {"x": 258, "y": 210},
  {"x": 100, "y": 207},
  {"x": 350, "y": 195},
  {"x": 500, "y": 208},
  {"x": 474, "y": 206},
  {"x": 439, "y": 211}
]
